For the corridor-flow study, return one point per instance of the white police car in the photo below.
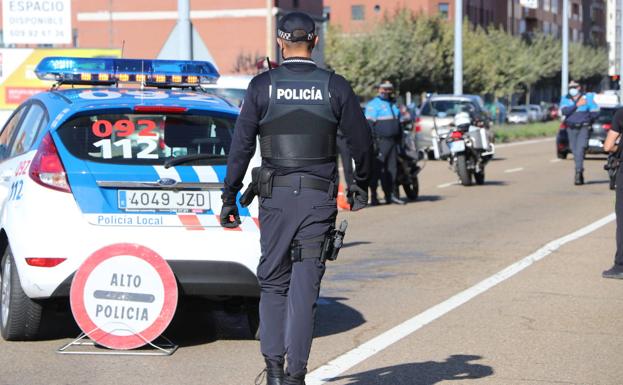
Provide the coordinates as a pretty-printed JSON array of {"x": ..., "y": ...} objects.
[{"x": 83, "y": 168}]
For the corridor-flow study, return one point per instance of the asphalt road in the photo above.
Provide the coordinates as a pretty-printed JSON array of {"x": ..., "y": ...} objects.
[{"x": 554, "y": 322}]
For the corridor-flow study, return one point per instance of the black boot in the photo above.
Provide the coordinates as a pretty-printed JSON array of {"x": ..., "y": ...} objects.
[
  {"x": 615, "y": 272},
  {"x": 291, "y": 380},
  {"x": 579, "y": 178},
  {"x": 374, "y": 200},
  {"x": 274, "y": 374}
]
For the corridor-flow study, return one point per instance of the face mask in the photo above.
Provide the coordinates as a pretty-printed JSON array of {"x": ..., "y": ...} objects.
[{"x": 574, "y": 92}]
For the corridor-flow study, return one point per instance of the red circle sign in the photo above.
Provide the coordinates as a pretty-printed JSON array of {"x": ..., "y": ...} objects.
[{"x": 123, "y": 296}]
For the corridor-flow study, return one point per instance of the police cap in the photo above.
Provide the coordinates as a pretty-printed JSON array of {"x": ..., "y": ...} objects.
[{"x": 296, "y": 26}]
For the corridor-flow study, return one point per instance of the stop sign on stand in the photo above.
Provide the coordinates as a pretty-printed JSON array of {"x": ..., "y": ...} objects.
[{"x": 123, "y": 296}]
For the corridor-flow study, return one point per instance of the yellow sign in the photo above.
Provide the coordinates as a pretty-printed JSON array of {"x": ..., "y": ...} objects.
[{"x": 17, "y": 77}]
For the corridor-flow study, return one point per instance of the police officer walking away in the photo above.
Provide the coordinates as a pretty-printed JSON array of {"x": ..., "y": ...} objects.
[
  {"x": 296, "y": 109},
  {"x": 611, "y": 145},
  {"x": 579, "y": 110},
  {"x": 384, "y": 118}
]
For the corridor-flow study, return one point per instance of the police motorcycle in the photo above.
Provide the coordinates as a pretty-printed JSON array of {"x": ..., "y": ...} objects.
[
  {"x": 466, "y": 147},
  {"x": 408, "y": 168}
]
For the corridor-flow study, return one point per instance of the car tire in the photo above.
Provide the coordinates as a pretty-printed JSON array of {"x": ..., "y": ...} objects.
[
  {"x": 252, "y": 308},
  {"x": 461, "y": 167},
  {"x": 562, "y": 154},
  {"x": 20, "y": 316}
]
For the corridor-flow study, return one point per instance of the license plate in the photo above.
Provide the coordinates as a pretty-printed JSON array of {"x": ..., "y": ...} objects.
[
  {"x": 595, "y": 143},
  {"x": 163, "y": 200},
  {"x": 457, "y": 146}
]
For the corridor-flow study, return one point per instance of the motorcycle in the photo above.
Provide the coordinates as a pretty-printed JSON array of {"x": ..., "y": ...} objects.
[{"x": 467, "y": 148}]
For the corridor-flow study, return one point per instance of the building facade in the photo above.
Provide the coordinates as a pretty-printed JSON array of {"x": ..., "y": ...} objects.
[
  {"x": 587, "y": 21},
  {"x": 232, "y": 33}
]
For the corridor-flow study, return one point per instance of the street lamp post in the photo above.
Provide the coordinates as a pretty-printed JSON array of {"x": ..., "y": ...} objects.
[
  {"x": 458, "y": 47},
  {"x": 565, "y": 48}
]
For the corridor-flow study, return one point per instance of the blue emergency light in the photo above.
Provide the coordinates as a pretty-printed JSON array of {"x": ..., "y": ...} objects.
[{"x": 109, "y": 71}]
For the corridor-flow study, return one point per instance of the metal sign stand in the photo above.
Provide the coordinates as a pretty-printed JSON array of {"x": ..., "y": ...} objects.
[{"x": 166, "y": 348}]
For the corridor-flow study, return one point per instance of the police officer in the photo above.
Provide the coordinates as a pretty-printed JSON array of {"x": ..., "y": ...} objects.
[
  {"x": 611, "y": 145},
  {"x": 579, "y": 110},
  {"x": 296, "y": 109},
  {"x": 384, "y": 118}
]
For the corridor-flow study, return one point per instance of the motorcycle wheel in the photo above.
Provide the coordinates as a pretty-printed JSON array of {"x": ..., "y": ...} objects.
[
  {"x": 480, "y": 177},
  {"x": 461, "y": 168},
  {"x": 412, "y": 190}
]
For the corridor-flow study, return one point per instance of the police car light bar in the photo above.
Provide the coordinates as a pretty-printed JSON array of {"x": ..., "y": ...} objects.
[{"x": 109, "y": 71}]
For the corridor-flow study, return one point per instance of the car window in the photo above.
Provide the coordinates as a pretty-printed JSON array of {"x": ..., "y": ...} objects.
[
  {"x": 232, "y": 95},
  {"x": 9, "y": 130},
  {"x": 518, "y": 109},
  {"x": 442, "y": 108},
  {"x": 28, "y": 130},
  {"x": 137, "y": 138}
]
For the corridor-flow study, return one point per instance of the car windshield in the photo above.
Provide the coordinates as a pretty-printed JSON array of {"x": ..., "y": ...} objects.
[
  {"x": 518, "y": 109},
  {"x": 232, "y": 95},
  {"x": 606, "y": 115},
  {"x": 443, "y": 108},
  {"x": 147, "y": 138}
]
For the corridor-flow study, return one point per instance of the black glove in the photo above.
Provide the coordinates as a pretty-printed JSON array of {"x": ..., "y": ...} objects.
[
  {"x": 229, "y": 213},
  {"x": 357, "y": 198}
]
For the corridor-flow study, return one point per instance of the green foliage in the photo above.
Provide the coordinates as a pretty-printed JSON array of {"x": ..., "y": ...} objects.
[
  {"x": 509, "y": 133},
  {"x": 417, "y": 54}
]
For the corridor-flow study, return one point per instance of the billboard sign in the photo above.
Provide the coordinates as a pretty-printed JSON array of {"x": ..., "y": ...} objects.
[
  {"x": 36, "y": 21},
  {"x": 17, "y": 77}
]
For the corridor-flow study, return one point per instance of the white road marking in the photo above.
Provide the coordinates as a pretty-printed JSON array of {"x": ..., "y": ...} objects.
[
  {"x": 556, "y": 160},
  {"x": 512, "y": 170},
  {"x": 366, "y": 350},
  {"x": 444, "y": 185},
  {"x": 522, "y": 143}
]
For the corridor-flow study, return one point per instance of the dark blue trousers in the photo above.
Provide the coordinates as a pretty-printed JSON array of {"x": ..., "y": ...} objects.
[
  {"x": 578, "y": 141},
  {"x": 290, "y": 289}
]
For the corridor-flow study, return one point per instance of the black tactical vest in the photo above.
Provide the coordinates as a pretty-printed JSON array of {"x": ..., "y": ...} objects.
[{"x": 299, "y": 128}]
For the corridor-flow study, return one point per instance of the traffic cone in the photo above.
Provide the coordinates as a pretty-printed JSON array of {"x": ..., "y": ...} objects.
[{"x": 342, "y": 203}]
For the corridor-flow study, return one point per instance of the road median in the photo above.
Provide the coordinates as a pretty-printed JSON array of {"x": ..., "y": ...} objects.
[{"x": 505, "y": 133}]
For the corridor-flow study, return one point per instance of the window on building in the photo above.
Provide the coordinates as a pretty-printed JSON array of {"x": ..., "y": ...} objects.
[
  {"x": 522, "y": 26},
  {"x": 546, "y": 5},
  {"x": 356, "y": 12},
  {"x": 554, "y": 6},
  {"x": 546, "y": 27},
  {"x": 575, "y": 11},
  {"x": 377, "y": 8},
  {"x": 295, "y": 3},
  {"x": 444, "y": 10}
]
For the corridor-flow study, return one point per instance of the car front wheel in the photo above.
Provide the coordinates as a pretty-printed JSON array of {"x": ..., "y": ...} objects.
[{"x": 20, "y": 316}]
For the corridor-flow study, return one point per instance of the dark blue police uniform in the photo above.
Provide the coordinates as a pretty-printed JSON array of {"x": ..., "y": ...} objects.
[{"x": 296, "y": 110}]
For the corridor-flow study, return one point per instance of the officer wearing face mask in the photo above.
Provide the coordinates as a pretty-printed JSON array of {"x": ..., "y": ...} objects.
[
  {"x": 384, "y": 118},
  {"x": 296, "y": 110},
  {"x": 579, "y": 110}
]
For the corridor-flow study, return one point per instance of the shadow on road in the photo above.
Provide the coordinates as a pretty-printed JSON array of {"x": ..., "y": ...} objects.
[
  {"x": 600, "y": 181},
  {"x": 455, "y": 367},
  {"x": 496, "y": 183},
  {"x": 334, "y": 317},
  {"x": 429, "y": 198}
]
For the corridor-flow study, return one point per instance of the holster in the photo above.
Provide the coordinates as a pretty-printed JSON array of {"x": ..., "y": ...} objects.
[{"x": 261, "y": 185}]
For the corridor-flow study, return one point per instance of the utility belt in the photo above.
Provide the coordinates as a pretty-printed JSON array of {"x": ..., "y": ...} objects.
[
  {"x": 263, "y": 180},
  {"x": 577, "y": 126},
  {"x": 325, "y": 247}
]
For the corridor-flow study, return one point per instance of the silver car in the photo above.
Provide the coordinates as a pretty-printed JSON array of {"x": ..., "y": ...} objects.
[
  {"x": 439, "y": 110},
  {"x": 519, "y": 114}
]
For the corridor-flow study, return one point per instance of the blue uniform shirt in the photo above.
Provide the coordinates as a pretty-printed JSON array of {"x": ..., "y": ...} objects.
[
  {"x": 578, "y": 115},
  {"x": 384, "y": 117}
]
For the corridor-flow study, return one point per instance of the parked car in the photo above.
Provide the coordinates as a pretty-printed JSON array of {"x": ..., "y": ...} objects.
[
  {"x": 598, "y": 133},
  {"x": 439, "y": 110},
  {"x": 519, "y": 114},
  {"x": 231, "y": 88}
]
